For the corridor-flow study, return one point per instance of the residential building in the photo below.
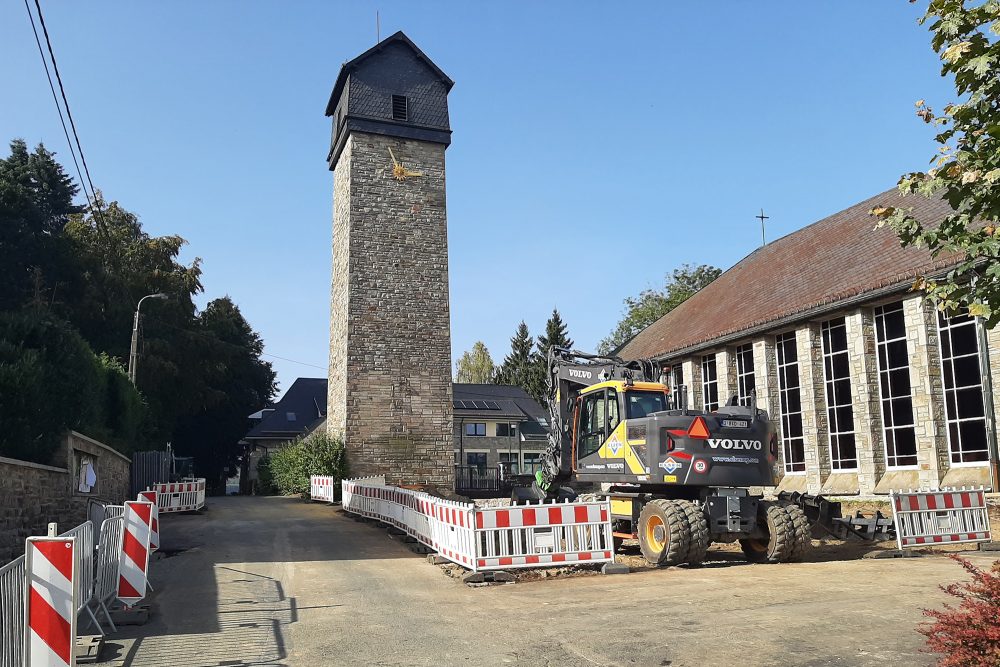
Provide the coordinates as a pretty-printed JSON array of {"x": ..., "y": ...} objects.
[
  {"x": 871, "y": 387},
  {"x": 498, "y": 424}
]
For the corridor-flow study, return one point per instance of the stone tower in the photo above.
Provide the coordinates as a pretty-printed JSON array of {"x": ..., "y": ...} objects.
[{"x": 390, "y": 340}]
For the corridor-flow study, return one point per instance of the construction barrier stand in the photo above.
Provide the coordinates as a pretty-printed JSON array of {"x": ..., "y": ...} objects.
[
  {"x": 134, "y": 560},
  {"x": 321, "y": 488},
  {"x": 925, "y": 518},
  {"x": 154, "y": 533},
  {"x": 50, "y": 604}
]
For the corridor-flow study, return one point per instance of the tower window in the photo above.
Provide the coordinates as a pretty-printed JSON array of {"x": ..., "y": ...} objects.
[{"x": 399, "y": 107}]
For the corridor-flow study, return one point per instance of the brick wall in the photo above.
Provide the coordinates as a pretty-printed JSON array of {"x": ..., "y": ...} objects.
[
  {"x": 33, "y": 495},
  {"x": 390, "y": 341}
]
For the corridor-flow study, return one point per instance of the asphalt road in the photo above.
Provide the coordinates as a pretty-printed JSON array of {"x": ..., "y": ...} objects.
[{"x": 277, "y": 581}]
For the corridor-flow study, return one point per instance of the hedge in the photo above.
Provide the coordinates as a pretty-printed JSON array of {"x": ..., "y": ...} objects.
[{"x": 287, "y": 469}]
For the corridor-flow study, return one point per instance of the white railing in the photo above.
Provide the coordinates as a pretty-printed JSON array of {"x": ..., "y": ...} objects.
[
  {"x": 488, "y": 538},
  {"x": 12, "y": 583},
  {"x": 949, "y": 516}
]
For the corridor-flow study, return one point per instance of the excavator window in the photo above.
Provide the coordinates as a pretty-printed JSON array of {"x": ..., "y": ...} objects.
[
  {"x": 642, "y": 403},
  {"x": 593, "y": 423}
]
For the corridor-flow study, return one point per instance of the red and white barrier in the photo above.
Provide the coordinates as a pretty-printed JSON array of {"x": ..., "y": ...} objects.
[
  {"x": 488, "y": 538},
  {"x": 321, "y": 488},
  {"x": 134, "y": 561},
  {"x": 50, "y": 605},
  {"x": 925, "y": 518},
  {"x": 185, "y": 496},
  {"x": 154, "y": 533}
]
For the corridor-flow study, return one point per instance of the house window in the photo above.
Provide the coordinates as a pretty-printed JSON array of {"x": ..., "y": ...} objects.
[
  {"x": 963, "y": 389},
  {"x": 509, "y": 460},
  {"x": 475, "y": 429},
  {"x": 532, "y": 462},
  {"x": 676, "y": 382},
  {"x": 746, "y": 381},
  {"x": 506, "y": 430},
  {"x": 839, "y": 401},
  {"x": 399, "y": 107},
  {"x": 790, "y": 394},
  {"x": 895, "y": 390},
  {"x": 477, "y": 459},
  {"x": 709, "y": 383}
]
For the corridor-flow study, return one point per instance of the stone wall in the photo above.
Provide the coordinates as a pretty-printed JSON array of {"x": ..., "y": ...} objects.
[
  {"x": 390, "y": 341},
  {"x": 33, "y": 495}
]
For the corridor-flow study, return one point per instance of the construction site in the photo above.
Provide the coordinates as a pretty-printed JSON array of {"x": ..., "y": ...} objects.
[{"x": 774, "y": 473}]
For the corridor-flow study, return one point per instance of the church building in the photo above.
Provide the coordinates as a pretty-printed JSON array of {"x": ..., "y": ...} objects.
[{"x": 872, "y": 389}]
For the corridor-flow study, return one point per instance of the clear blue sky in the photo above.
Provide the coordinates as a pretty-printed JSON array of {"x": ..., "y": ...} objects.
[{"x": 594, "y": 150}]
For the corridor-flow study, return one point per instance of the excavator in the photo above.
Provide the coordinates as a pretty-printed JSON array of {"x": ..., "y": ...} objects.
[{"x": 677, "y": 479}]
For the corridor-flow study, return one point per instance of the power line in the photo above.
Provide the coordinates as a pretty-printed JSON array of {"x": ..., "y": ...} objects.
[
  {"x": 55, "y": 98},
  {"x": 215, "y": 339}
]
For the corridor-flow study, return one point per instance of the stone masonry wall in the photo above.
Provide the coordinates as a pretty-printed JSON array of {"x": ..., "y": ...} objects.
[
  {"x": 390, "y": 343},
  {"x": 33, "y": 495}
]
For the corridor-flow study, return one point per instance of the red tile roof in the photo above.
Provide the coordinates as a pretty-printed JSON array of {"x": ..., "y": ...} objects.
[{"x": 824, "y": 264}]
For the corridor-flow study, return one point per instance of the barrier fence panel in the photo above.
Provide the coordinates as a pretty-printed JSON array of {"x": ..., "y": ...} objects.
[
  {"x": 12, "y": 585},
  {"x": 50, "y": 604},
  {"x": 488, "y": 538},
  {"x": 321, "y": 488},
  {"x": 184, "y": 496},
  {"x": 134, "y": 562},
  {"x": 548, "y": 534},
  {"x": 109, "y": 552},
  {"x": 940, "y": 517},
  {"x": 84, "y": 556}
]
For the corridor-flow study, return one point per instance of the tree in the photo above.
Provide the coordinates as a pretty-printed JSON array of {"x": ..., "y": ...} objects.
[
  {"x": 517, "y": 368},
  {"x": 475, "y": 366},
  {"x": 966, "y": 168},
  {"x": 652, "y": 304},
  {"x": 36, "y": 200},
  {"x": 233, "y": 382}
]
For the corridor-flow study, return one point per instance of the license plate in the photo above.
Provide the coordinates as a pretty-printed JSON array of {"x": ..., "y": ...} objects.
[{"x": 735, "y": 423}]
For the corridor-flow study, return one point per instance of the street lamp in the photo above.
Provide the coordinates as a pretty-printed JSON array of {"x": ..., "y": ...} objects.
[{"x": 133, "y": 357}]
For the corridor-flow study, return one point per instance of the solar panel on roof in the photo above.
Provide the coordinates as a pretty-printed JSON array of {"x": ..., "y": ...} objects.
[
  {"x": 492, "y": 405},
  {"x": 479, "y": 405},
  {"x": 458, "y": 405}
]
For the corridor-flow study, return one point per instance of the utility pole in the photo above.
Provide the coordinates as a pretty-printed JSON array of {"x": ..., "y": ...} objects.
[
  {"x": 133, "y": 356},
  {"x": 762, "y": 218}
]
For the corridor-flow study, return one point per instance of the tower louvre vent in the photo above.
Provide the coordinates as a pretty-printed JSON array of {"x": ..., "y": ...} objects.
[{"x": 399, "y": 107}]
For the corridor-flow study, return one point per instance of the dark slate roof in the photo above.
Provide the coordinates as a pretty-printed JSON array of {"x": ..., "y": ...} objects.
[
  {"x": 506, "y": 396},
  {"x": 351, "y": 65},
  {"x": 299, "y": 411},
  {"x": 824, "y": 266}
]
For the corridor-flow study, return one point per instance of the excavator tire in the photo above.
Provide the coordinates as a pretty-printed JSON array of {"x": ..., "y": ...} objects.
[
  {"x": 802, "y": 541},
  {"x": 664, "y": 533},
  {"x": 700, "y": 537},
  {"x": 778, "y": 546}
]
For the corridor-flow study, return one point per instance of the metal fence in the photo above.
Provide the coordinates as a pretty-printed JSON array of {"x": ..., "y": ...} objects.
[
  {"x": 473, "y": 480},
  {"x": 188, "y": 495},
  {"x": 149, "y": 468},
  {"x": 12, "y": 582}
]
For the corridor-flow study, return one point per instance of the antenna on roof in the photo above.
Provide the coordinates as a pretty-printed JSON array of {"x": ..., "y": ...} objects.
[
  {"x": 762, "y": 218},
  {"x": 378, "y": 28}
]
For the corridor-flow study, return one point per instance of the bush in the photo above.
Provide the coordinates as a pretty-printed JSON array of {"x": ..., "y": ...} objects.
[
  {"x": 51, "y": 382},
  {"x": 968, "y": 635},
  {"x": 291, "y": 466}
]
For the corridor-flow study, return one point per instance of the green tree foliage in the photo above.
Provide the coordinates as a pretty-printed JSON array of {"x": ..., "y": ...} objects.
[
  {"x": 289, "y": 467},
  {"x": 966, "y": 167},
  {"x": 519, "y": 368},
  {"x": 231, "y": 382},
  {"x": 36, "y": 200},
  {"x": 51, "y": 382},
  {"x": 200, "y": 373},
  {"x": 556, "y": 335},
  {"x": 652, "y": 304},
  {"x": 475, "y": 366}
]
